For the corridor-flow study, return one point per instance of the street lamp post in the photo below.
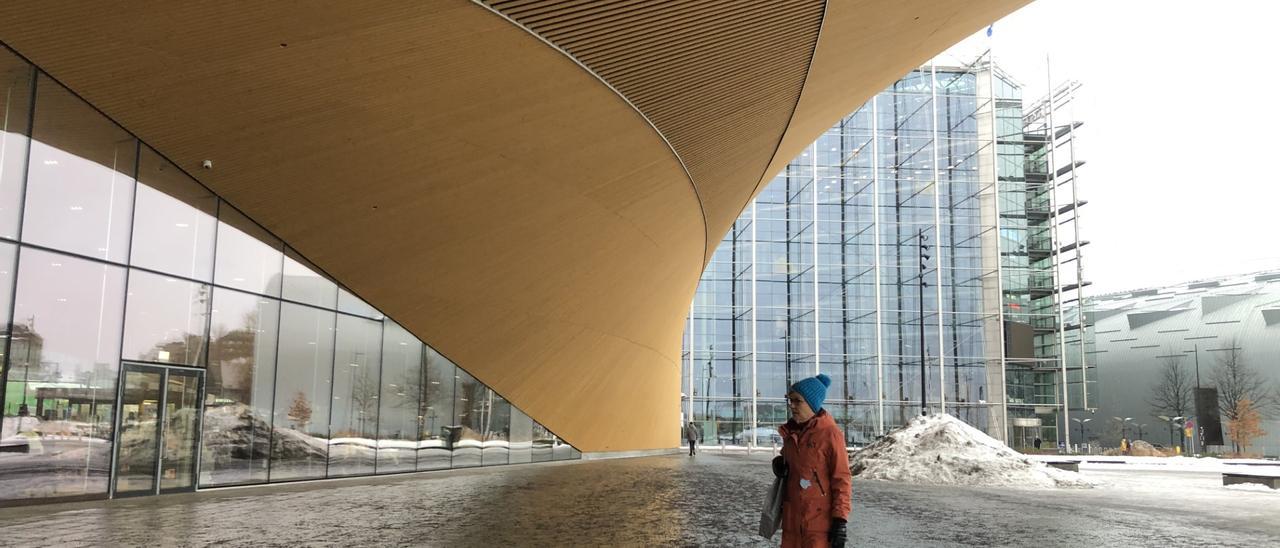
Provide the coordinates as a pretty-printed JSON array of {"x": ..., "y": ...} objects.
[
  {"x": 1124, "y": 426},
  {"x": 1081, "y": 424}
]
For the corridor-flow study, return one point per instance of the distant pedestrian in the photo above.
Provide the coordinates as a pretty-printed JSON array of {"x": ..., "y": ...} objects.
[
  {"x": 691, "y": 436},
  {"x": 815, "y": 465},
  {"x": 1037, "y": 443},
  {"x": 1124, "y": 446}
]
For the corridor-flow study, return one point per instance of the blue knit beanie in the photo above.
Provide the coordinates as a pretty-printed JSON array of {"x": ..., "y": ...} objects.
[{"x": 814, "y": 390}]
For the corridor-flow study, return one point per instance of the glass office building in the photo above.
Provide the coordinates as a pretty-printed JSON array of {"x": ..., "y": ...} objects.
[
  {"x": 157, "y": 340},
  {"x": 891, "y": 255}
]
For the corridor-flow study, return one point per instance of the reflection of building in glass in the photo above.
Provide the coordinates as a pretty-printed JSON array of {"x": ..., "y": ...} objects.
[
  {"x": 1198, "y": 325},
  {"x": 822, "y": 272},
  {"x": 157, "y": 340}
]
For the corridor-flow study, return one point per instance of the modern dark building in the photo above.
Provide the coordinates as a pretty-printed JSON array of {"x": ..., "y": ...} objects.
[{"x": 1196, "y": 328}]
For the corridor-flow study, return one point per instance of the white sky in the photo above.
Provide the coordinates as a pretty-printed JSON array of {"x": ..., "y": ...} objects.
[{"x": 1181, "y": 117}]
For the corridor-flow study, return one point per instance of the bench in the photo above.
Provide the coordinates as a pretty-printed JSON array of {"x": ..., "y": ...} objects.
[
  {"x": 1069, "y": 465},
  {"x": 1232, "y": 478}
]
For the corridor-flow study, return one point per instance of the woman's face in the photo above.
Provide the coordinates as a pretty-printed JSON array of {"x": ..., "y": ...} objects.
[{"x": 799, "y": 408}]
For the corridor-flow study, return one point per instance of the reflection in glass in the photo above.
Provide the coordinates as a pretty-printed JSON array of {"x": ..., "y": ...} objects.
[
  {"x": 302, "y": 283},
  {"x": 543, "y": 442},
  {"x": 353, "y": 424},
  {"x": 62, "y": 379},
  {"x": 249, "y": 258},
  {"x": 8, "y": 257},
  {"x": 239, "y": 388},
  {"x": 521, "y": 438},
  {"x": 465, "y": 433},
  {"x": 181, "y": 425},
  {"x": 139, "y": 439},
  {"x": 166, "y": 319},
  {"x": 351, "y": 304},
  {"x": 437, "y": 406},
  {"x": 299, "y": 442},
  {"x": 399, "y": 404},
  {"x": 496, "y": 420},
  {"x": 15, "y": 109},
  {"x": 80, "y": 178},
  {"x": 174, "y": 220}
]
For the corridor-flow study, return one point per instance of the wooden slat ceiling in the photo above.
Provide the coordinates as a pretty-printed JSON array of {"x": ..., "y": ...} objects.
[
  {"x": 718, "y": 79},
  {"x": 534, "y": 220}
]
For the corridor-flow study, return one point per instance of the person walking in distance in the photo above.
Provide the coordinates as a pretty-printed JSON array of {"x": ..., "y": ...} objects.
[
  {"x": 815, "y": 465},
  {"x": 691, "y": 435}
]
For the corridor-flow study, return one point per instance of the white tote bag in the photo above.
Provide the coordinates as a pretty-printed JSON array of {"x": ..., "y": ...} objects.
[{"x": 771, "y": 514}]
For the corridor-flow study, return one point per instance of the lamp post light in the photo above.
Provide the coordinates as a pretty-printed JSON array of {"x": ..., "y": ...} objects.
[
  {"x": 1174, "y": 422},
  {"x": 1124, "y": 426},
  {"x": 1081, "y": 424}
]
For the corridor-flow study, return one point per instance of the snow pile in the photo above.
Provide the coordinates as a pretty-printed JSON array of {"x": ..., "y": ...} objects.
[
  {"x": 941, "y": 449},
  {"x": 1255, "y": 487}
]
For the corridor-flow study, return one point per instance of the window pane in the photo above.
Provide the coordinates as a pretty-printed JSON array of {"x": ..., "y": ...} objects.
[
  {"x": 464, "y": 431},
  {"x": 352, "y": 304},
  {"x": 299, "y": 448},
  {"x": 437, "y": 416},
  {"x": 8, "y": 407},
  {"x": 166, "y": 319},
  {"x": 303, "y": 284},
  {"x": 15, "y": 117},
  {"x": 239, "y": 386},
  {"x": 175, "y": 222},
  {"x": 66, "y": 350},
  {"x": 80, "y": 178},
  {"x": 248, "y": 257},
  {"x": 543, "y": 442},
  {"x": 497, "y": 430},
  {"x": 521, "y": 439},
  {"x": 353, "y": 425},
  {"x": 399, "y": 404}
]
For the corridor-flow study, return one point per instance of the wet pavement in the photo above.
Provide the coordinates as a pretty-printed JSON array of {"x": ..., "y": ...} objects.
[{"x": 710, "y": 499}]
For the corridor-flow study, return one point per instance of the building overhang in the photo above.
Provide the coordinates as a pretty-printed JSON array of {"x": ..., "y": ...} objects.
[{"x": 538, "y": 219}]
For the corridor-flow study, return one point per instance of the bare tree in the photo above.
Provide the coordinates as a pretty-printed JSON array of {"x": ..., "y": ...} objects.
[
  {"x": 1236, "y": 381},
  {"x": 1172, "y": 394}
]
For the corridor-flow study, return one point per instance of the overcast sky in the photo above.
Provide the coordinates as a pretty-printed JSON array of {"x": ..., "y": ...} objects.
[{"x": 1181, "y": 120}]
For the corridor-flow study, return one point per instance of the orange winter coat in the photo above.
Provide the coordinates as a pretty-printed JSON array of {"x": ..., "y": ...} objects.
[{"x": 819, "y": 484}]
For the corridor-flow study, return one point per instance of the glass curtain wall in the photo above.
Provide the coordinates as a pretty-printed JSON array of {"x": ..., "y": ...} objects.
[
  {"x": 822, "y": 273},
  {"x": 110, "y": 254}
]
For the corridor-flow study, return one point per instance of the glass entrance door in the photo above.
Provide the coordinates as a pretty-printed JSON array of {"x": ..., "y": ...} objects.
[{"x": 159, "y": 429}]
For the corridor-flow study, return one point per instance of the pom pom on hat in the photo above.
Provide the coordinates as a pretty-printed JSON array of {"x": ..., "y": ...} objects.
[{"x": 813, "y": 390}]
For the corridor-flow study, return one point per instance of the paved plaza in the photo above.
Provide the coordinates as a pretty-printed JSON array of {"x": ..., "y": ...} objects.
[{"x": 710, "y": 499}]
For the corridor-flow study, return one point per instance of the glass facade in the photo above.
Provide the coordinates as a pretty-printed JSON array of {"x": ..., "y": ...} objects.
[
  {"x": 155, "y": 339},
  {"x": 874, "y": 257}
]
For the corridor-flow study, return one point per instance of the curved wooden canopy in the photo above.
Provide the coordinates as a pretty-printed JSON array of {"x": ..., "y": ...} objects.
[{"x": 531, "y": 187}]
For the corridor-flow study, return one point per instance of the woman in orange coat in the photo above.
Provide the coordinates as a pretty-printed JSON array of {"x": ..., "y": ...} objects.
[{"x": 815, "y": 508}]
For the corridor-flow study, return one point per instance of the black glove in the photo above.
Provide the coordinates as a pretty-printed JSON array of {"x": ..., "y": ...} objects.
[
  {"x": 837, "y": 535},
  {"x": 779, "y": 467}
]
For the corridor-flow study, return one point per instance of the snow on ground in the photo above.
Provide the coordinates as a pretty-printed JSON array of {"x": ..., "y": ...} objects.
[
  {"x": 1173, "y": 464},
  {"x": 1252, "y": 487},
  {"x": 941, "y": 449}
]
